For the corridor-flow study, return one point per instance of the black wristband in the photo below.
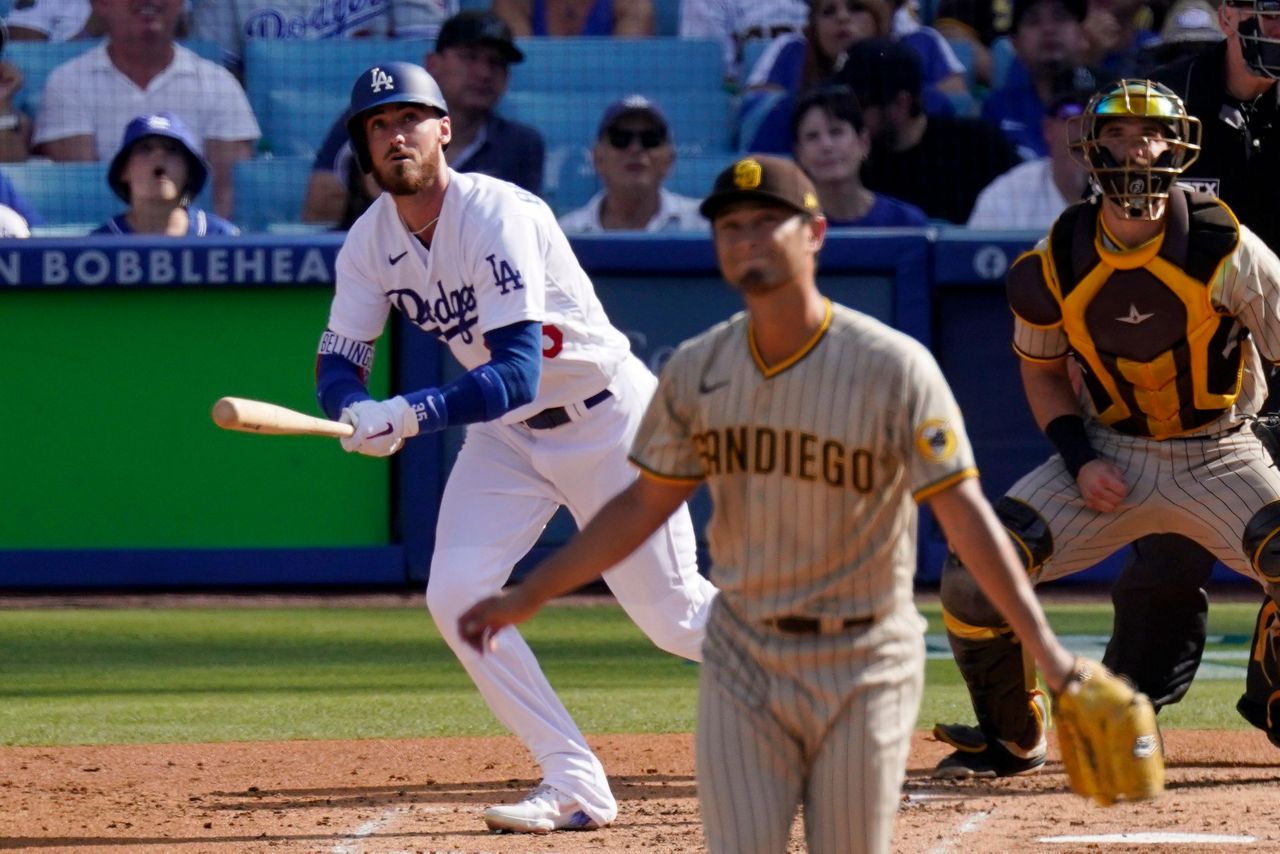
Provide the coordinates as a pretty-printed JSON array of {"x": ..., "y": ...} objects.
[{"x": 1068, "y": 435}]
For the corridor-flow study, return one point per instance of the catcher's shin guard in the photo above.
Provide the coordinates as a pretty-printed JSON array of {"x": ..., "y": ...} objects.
[
  {"x": 1009, "y": 738},
  {"x": 1260, "y": 704},
  {"x": 1161, "y": 585}
]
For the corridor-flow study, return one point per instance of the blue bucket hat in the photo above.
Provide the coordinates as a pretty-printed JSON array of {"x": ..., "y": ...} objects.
[{"x": 171, "y": 127}]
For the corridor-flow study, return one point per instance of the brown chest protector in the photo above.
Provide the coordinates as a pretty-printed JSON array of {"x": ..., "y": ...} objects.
[{"x": 1158, "y": 358}]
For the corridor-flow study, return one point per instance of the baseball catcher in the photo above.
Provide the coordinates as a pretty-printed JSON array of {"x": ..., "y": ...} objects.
[{"x": 1165, "y": 307}]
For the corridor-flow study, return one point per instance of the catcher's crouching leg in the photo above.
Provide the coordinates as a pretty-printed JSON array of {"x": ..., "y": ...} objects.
[
  {"x": 1260, "y": 704},
  {"x": 1161, "y": 585},
  {"x": 1012, "y": 713}
]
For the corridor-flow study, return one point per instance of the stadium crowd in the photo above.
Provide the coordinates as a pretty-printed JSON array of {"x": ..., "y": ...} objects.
[{"x": 901, "y": 112}]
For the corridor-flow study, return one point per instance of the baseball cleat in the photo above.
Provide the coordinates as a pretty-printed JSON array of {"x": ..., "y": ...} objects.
[
  {"x": 543, "y": 810},
  {"x": 992, "y": 759},
  {"x": 976, "y": 755}
]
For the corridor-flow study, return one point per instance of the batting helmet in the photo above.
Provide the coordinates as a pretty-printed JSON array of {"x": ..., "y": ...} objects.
[
  {"x": 165, "y": 125},
  {"x": 1261, "y": 52},
  {"x": 1136, "y": 187},
  {"x": 392, "y": 83}
]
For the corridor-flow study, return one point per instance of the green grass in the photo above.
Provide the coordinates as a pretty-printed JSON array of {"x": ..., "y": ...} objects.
[{"x": 106, "y": 676}]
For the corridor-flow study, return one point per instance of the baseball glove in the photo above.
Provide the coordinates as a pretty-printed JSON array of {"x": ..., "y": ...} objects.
[
  {"x": 1267, "y": 429},
  {"x": 1108, "y": 738}
]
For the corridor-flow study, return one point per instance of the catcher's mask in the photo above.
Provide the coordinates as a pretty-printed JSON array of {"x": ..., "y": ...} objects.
[
  {"x": 1140, "y": 189},
  {"x": 1261, "y": 52}
]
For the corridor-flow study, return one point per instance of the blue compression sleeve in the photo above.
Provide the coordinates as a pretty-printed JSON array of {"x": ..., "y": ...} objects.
[
  {"x": 339, "y": 383},
  {"x": 507, "y": 381}
]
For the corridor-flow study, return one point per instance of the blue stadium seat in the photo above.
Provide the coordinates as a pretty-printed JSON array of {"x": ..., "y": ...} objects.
[
  {"x": 36, "y": 59},
  {"x": 269, "y": 191},
  {"x": 591, "y": 63},
  {"x": 72, "y": 197},
  {"x": 700, "y": 119},
  {"x": 666, "y": 17},
  {"x": 298, "y": 88},
  {"x": 1002, "y": 61},
  {"x": 968, "y": 56},
  {"x": 694, "y": 174}
]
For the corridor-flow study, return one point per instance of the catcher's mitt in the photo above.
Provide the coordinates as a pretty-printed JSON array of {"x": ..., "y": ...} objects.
[{"x": 1108, "y": 738}]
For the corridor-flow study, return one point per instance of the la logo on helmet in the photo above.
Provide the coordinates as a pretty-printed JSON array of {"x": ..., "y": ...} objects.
[{"x": 379, "y": 80}]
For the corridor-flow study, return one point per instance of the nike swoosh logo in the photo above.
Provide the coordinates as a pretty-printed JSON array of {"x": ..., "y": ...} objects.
[
  {"x": 705, "y": 387},
  {"x": 396, "y": 259},
  {"x": 386, "y": 432}
]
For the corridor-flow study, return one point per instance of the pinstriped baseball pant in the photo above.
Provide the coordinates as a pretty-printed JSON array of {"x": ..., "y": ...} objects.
[
  {"x": 1205, "y": 488},
  {"x": 822, "y": 721}
]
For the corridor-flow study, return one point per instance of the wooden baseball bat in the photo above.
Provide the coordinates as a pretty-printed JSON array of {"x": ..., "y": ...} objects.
[{"x": 257, "y": 416}]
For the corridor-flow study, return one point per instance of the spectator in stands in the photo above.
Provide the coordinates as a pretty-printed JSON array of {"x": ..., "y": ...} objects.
[
  {"x": 938, "y": 163},
  {"x": 1189, "y": 28},
  {"x": 1117, "y": 32},
  {"x": 633, "y": 155},
  {"x": 577, "y": 17},
  {"x": 733, "y": 23},
  {"x": 795, "y": 62},
  {"x": 52, "y": 20},
  {"x": 1048, "y": 35},
  {"x": 88, "y": 100},
  {"x": 15, "y": 125},
  {"x": 420, "y": 19},
  {"x": 1031, "y": 195},
  {"x": 944, "y": 73},
  {"x": 472, "y": 63},
  {"x": 974, "y": 26},
  {"x": 831, "y": 143},
  {"x": 157, "y": 172},
  {"x": 231, "y": 23}
]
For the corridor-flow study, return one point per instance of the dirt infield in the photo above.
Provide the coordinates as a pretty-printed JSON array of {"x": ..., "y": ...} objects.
[{"x": 358, "y": 797}]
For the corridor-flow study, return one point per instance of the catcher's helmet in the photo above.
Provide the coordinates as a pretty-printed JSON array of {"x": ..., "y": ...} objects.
[
  {"x": 1139, "y": 189},
  {"x": 1261, "y": 52},
  {"x": 391, "y": 83}
]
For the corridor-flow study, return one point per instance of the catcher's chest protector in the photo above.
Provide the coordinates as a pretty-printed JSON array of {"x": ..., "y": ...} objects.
[{"x": 1159, "y": 359}]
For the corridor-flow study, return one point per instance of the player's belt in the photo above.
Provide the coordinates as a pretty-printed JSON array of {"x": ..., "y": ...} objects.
[
  {"x": 557, "y": 415},
  {"x": 817, "y": 625}
]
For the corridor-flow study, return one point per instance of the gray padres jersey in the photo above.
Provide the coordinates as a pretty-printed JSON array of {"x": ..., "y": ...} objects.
[{"x": 815, "y": 465}]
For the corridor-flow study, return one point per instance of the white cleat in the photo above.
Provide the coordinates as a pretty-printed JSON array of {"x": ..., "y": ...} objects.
[{"x": 543, "y": 810}]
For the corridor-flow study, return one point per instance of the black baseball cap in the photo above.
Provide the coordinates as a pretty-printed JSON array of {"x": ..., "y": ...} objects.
[
  {"x": 763, "y": 178},
  {"x": 878, "y": 69},
  {"x": 1076, "y": 8},
  {"x": 1070, "y": 90},
  {"x": 478, "y": 27}
]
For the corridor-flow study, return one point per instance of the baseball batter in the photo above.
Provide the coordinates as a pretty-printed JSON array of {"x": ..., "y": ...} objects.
[
  {"x": 816, "y": 429},
  {"x": 551, "y": 396},
  {"x": 1164, "y": 303}
]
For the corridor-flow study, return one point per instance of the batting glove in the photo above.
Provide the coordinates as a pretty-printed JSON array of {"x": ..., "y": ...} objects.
[{"x": 381, "y": 426}]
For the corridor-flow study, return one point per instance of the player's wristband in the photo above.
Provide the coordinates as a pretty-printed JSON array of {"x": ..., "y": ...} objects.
[{"x": 1068, "y": 435}]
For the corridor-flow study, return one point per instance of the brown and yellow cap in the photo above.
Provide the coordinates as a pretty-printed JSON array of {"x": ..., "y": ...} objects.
[{"x": 762, "y": 178}]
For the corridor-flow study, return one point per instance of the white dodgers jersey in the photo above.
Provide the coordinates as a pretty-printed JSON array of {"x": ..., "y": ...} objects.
[{"x": 497, "y": 258}]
